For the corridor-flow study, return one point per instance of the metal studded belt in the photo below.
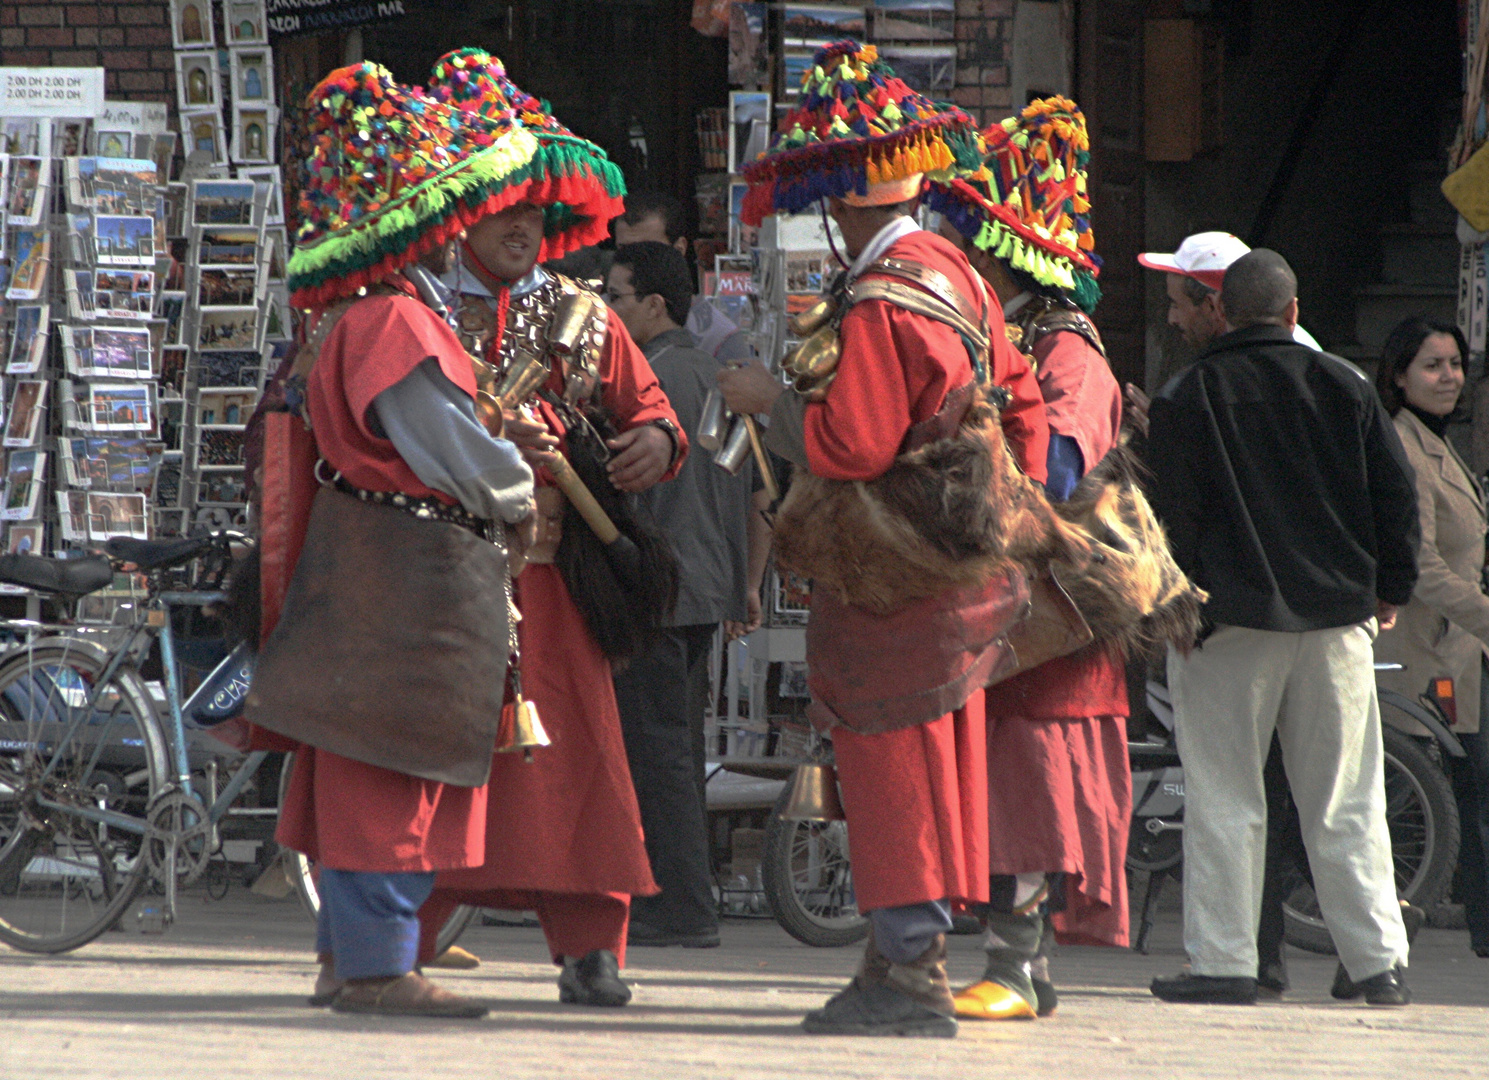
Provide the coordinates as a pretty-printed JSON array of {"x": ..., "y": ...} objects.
[{"x": 423, "y": 507}]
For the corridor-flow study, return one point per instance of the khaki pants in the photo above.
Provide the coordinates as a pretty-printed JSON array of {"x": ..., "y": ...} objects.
[{"x": 1317, "y": 690}]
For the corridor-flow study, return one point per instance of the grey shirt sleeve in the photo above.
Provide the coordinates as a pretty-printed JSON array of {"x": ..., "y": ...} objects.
[
  {"x": 786, "y": 435},
  {"x": 433, "y": 425}
]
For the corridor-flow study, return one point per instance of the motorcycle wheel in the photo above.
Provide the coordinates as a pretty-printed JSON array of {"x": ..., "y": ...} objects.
[
  {"x": 808, "y": 880},
  {"x": 1423, "y": 818}
]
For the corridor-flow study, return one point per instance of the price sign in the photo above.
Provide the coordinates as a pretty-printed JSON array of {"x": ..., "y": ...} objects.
[{"x": 70, "y": 92}]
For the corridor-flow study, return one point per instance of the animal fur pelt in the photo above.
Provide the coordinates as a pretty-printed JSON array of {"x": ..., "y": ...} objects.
[
  {"x": 622, "y": 618},
  {"x": 1124, "y": 579},
  {"x": 950, "y": 514},
  {"x": 958, "y": 511}
]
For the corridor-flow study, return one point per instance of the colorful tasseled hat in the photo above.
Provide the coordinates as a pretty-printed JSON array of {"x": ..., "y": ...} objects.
[
  {"x": 857, "y": 126},
  {"x": 1028, "y": 205},
  {"x": 579, "y": 188},
  {"x": 391, "y": 175}
]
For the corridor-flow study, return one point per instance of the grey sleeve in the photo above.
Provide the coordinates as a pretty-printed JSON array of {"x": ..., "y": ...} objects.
[
  {"x": 433, "y": 425},
  {"x": 786, "y": 435}
]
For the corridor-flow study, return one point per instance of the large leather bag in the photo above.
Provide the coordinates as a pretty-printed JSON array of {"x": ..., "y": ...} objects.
[{"x": 393, "y": 643}]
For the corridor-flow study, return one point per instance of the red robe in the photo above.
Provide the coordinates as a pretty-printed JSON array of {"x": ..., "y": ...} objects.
[
  {"x": 1059, "y": 785},
  {"x": 343, "y": 813},
  {"x": 916, "y": 798},
  {"x": 568, "y": 821}
]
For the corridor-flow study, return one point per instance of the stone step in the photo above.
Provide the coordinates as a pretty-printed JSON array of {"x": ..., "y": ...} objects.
[
  {"x": 1379, "y": 308},
  {"x": 1424, "y": 194},
  {"x": 1417, "y": 254}
]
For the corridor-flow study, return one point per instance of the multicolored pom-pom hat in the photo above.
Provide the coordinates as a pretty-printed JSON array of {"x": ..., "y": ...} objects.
[
  {"x": 1028, "y": 204},
  {"x": 859, "y": 133},
  {"x": 391, "y": 176},
  {"x": 579, "y": 188}
]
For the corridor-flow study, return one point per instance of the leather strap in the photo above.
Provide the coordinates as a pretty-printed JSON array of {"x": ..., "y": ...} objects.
[
  {"x": 929, "y": 279},
  {"x": 1074, "y": 322},
  {"x": 944, "y": 423},
  {"x": 915, "y": 299}
]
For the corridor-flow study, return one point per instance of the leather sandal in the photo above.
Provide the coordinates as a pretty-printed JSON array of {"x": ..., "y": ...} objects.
[
  {"x": 405, "y": 995},
  {"x": 327, "y": 985},
  {"x": 455, "y": 959}
]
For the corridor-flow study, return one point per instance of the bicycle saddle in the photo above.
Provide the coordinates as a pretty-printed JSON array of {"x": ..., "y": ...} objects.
[
  {"x": 154, "y": 554},
  {"x": 69, "y": 577}
]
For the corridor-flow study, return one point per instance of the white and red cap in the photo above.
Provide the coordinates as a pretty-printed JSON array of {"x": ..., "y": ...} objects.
[{"x": 1204, "y": 256}]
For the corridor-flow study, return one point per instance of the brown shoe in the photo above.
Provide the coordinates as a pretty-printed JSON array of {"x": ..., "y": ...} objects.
[
  {"x": 456, "y": 959},
  {"x": 924, "y": 979},
  {"x": 405, "y": 995},
  {"x": 327, "y": 985}
]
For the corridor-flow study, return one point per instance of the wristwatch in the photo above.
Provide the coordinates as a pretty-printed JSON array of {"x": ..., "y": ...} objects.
[{"x": 672, "y": 433}]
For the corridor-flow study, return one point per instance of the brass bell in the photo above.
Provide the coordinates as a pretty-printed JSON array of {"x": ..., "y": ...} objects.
[
  {"x": 814, "y": 795},
  {"x": 520, "y": 729},
  {"x": 813, "y": 318}
]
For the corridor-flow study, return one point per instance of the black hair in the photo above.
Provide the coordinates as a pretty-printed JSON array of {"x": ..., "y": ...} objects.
[
  {"x": 661, "y": 269},
  {"x": 1401, "y": 349},
  {"x": 1258, "y": 287},
  {"x": 1196, "y": 289},
  {"x": 641, "y": 205}
]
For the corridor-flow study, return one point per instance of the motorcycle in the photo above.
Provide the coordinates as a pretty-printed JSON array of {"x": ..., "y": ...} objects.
[{"x": 1420, "y": 810}]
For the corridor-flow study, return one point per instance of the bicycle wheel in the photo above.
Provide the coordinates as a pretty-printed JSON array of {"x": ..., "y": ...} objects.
[
  {"x": 301, "y": 871},
  {"x": 1423, "y": 818},
  {"x": 808, "y": 880},
  {"x": 65, "y": 879}
]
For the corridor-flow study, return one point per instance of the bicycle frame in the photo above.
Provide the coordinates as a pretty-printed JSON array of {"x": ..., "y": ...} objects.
[{"x": 158, "y": 612}]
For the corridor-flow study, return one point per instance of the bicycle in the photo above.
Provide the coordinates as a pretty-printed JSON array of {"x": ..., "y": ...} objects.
[{"x": 97, "y": 797}]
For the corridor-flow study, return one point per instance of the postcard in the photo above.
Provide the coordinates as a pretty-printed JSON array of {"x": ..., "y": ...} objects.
[
  {"x": 204, "y": 137},
  {"x": 30, "y": 180},
  {"x": 813, "y": 26},
  {"x": 228, "y": 328},
  {"x": 21, "y": 135},
  {"x": 245, "y": 22},
  {"x": 173, "y": 370},
  {"x": 124, "y": 241},
  {"x": 227, "y": 247},
  {"x": 225, "y": 408},
  {"x": 23, "y": 538},
  {"x": 254, "y": 133},
  {"x": 222, "y": 202},
  {"x": 198, "y": 84},
  {"x": 221, "y": 447},
  {"x": 25, "y": 472},
  {"x": 69, "y": 137},
  {"x": 119, "y": 352},
  {"x": 223, "y": 287},
  {"x": 124, "y": 294},
  {"x": 27, "y": 405},
  {"x": 228, "y": 369},
  {"x": 914, "y": 20},
  {"x": 252, "y": 73},
  {"x": 72, "y": 514},
  {"x": 30, "y": 261},
  {"x": 276, "y": 240},
  {"x": 275, "y": 313},
  {"x": 191, "y": 24},
  {"x": 115, "y": 514},
  {"x": 119, "y": 406},
  {"x": 171, "y": 306},
  {"x": 223, "y": 488},
  {"x": 267, "y": 177},
  {"x": 749, "y": 127},
  {"x": 28, "y": 345},
  {"x": 165, "y": 489},
  {"x": 929, "y": 69}
]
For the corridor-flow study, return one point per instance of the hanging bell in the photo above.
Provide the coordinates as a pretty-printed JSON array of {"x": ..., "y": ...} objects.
[
  {"x": 814, "y": 795},
  {"x": 520, "y": 729}
]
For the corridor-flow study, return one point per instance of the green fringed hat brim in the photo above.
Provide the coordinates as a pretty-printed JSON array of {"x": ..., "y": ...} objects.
[{"x": 378, "y": 245}]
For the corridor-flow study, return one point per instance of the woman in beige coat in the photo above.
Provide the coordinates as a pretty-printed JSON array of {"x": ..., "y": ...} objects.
[{"x": 1444, "y": 631}]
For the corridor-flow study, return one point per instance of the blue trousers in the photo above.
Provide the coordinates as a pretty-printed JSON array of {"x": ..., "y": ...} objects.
[
  {"x": 902, "y": 934},
  {"x": 369, "y": 922}
]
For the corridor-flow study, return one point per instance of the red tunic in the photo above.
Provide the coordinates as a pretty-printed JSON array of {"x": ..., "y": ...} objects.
[
  {"x": 346, "y": 814},
  {"x": 568, "y": 822},
  {"x": 916, "y": 797},
  {"x": 1059, "y": 785}
]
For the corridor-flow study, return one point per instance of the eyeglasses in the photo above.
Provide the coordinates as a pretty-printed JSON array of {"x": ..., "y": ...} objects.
[{"x": 610, "y": 296}]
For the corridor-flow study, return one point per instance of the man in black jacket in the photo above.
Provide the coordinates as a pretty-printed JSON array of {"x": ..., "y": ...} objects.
[{"x": 1287, "y": 496}]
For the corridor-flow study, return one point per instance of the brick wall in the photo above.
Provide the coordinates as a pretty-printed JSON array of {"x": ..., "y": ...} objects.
[
  {"x": 131, "y": 39},
  {"x": 984, "y": 42}
]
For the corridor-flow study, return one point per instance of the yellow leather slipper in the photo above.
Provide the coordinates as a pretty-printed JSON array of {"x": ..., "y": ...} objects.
[
  {"x": 992, "y": 1001},
  {"x": 456, "y": 958}
]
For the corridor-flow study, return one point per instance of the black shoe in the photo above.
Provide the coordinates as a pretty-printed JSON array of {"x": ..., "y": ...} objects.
[
  {"x": 1205, "y": 989},
  {"x": 1413, "y": 918},
  {"x": 646, "y": 934},
  {"x": 1047, "y": 1001},
  {"x": 1387, "y": 988},
  {"x": 1271, "y": 976},
  {"x": 593, "y": 980},
  {"x": 876, "y": 1009}
]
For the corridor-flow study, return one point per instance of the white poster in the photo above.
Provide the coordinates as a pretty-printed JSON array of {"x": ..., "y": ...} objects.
[{"x": 36, "y": 91}]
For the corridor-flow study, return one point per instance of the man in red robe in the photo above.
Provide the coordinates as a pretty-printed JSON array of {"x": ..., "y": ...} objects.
[
  {"x": 564, "y": 832},
  {"x": 1059, "y": 785},
  {"x": 914, "y": 787},
  {"x": 387, "y": 393}
]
